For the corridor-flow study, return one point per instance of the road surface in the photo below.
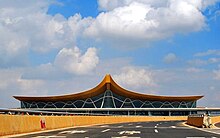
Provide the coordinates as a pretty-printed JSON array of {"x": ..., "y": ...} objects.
[{"x": 169, "y": 129}]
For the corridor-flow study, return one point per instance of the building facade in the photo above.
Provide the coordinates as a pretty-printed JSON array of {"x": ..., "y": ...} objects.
[{"x": 110, "y": 98}]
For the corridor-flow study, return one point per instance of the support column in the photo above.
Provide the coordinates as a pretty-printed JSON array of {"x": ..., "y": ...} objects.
[{"x": 149, "y": 113}]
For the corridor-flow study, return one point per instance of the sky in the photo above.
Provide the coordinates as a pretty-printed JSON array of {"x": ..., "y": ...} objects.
[{"x": 55, "y": 47}]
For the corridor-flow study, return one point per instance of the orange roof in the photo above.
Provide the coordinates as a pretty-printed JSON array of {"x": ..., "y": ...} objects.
[{"x": 109, "y": 83}]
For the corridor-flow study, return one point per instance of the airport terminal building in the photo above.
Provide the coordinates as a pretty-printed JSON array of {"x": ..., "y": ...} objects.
[{"x": 110, "y": 98}]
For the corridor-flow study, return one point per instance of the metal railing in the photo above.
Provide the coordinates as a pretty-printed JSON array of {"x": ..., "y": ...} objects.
[{"x": 48, "y": 113}]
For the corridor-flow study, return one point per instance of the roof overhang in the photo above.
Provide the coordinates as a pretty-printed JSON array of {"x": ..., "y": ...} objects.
[{"x": 108, "y": 83}]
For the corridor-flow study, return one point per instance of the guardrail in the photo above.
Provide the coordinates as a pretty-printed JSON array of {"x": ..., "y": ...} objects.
[
  {"x": 199, "y": 120},
  {"x": 48, "y": 113}
]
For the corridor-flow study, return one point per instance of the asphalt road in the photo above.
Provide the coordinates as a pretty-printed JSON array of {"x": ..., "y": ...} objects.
[{"x": 171, "y": 129}]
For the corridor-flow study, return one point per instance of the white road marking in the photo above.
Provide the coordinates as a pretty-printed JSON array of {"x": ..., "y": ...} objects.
[
  {"x": 126, "y": 137},
  {"x": 50, "y": 137},
  {"x": 138, "y": 126},
  {"x": 105, "y": 126},
  {"x": 129, "y": 132},
  {"x": 173, "y": 126},
  {"x": 122, "y": 132},
  {"x": 120, "y": 126},
  {"x": 105, "y": 130},
  {"x": 195, "y": 137},
  {"x": 130, "y": 124},
  {"x": 155, "y": 126},
  {"x": 64, "y": 132},
  {"x": 77, "y": 131},
  {"x": 200, "y": 137},
  {"x": 155, "y": 130}
]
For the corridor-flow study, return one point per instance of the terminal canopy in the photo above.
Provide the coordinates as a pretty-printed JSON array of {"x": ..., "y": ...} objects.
[{"x": 108, "y": 84}]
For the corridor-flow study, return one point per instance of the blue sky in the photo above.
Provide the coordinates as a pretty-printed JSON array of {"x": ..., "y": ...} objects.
[{"x": 153, "y": 47}]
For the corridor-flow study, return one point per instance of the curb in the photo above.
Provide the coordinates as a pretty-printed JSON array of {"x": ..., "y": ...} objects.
[{"x": 201, "y": 129}]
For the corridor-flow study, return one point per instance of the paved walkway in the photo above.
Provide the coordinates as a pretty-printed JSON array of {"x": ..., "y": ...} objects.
[{"x": 215, "y": 130}]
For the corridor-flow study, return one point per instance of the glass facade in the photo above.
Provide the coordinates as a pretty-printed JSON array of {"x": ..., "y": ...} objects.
[{"x": 109, "y": 99}]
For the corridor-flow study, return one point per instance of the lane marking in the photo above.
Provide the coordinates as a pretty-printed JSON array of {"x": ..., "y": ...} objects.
[
  {"x": 78, "y": 131},
  {"x": 200, "y": 137},
  {"x": 155, "y": 130},
  {"x": 64, "y": 132},
  {"x": 125, "y": 137},
  {"x": 105, "y": 130},
  {"x": 130, "y": 124},
  {"x": 155, "y": 126},
  {"x": 138, "y": 126},
  {"x": 105, "y": 126},
  {"x": 120, "y": 126},
  {"x": 129, "y": 132},
  {"x": 195, "y": 137},
  {"x": 173, "y": 126},
  {"x": 50, "y": 137}
]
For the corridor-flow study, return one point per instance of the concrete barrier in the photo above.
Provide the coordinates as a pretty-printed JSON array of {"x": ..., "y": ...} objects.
[
  {"x": 15, "y": 124},
  {"x": 202, "y": 120},
  {"x": 195, "y": 121}
]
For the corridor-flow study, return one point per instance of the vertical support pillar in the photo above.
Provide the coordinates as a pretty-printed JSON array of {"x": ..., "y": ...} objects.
[
  {"x": 169, "y": 113},
  {"x": 149, "y": 113}
]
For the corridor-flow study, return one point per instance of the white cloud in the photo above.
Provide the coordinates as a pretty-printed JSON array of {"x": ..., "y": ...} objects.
[
  {"x": 201, "y": 62},
  {"x": 214, "y": 60},
  {"x": 72, "y": 61},
  {"x": 26, "y": 27},
  {"x": 108, "y": 5},
  {"x": 197, "y": 62},
  {"x": 136, "y": 78},
  {"x": 11, "y": 84},
  {"x": 194, "y": 70},
  {"x": 139, "y": 21},
  {"x": 208, "y": 53},
  {"x": 217, "y": 74},
  {"x": 170, "y": 58}
]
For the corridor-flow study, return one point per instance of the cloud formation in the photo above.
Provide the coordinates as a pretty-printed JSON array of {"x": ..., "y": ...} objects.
[
  {"x": 138, "y": 20},
  {"x": 27, "y": 32},
  {"x": 135, "y": 78},
  {"x": 72, "y": 60},
  {"x": 108, "y": 5},
  {"x": 26, "y": 28},
  {"x": 217, "y": 74},
  {"x": 170, "y": 58},
  {"x": 210, "y": 52}
]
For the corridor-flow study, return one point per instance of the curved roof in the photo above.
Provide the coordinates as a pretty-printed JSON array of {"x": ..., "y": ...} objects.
[{"x": 108, "y": 83}]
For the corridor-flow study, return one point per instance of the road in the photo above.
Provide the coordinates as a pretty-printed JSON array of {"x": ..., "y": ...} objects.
[{"x": 171, "y": 129}]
